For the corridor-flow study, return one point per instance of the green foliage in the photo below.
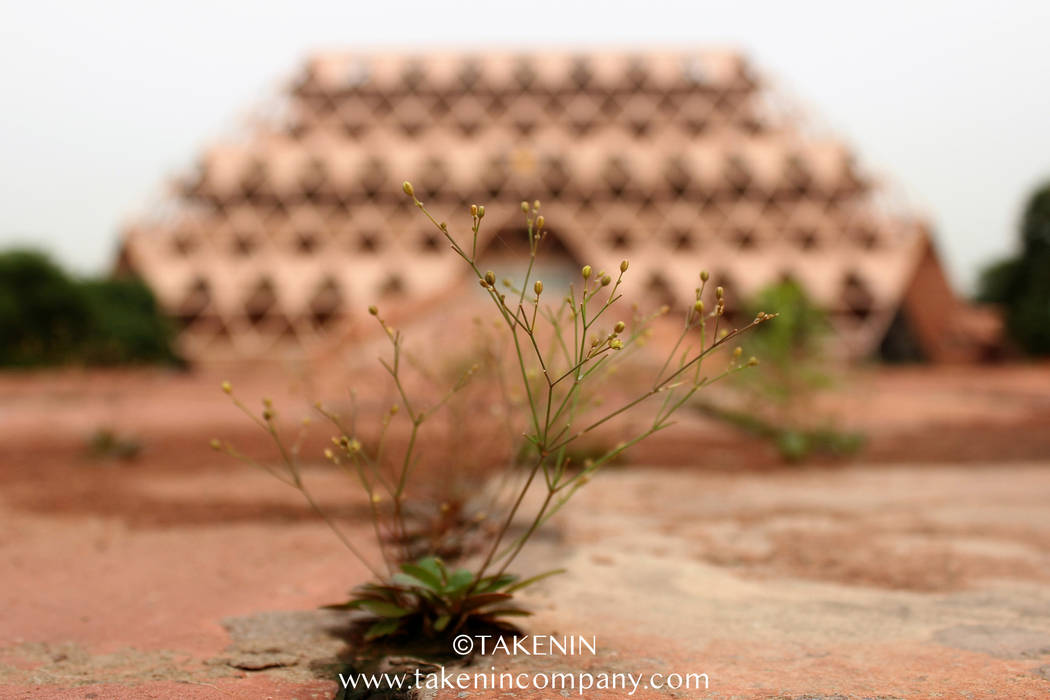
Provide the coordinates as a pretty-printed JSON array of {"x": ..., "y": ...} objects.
[
  {"x": 779, "y": 393},
  {"x": 43, "y": 316},
  {"x": 1022, "y": 284},
  {"x": 127, "y": 324},
  {"x": 996, "y": 283},
  {"x": 49, "y": 318},
  {"x": 791, "y": 349},
  {"x": 794, "y": 444},
  {"x": 430, "y": 600},
  {"x": 106, "y": 443}
]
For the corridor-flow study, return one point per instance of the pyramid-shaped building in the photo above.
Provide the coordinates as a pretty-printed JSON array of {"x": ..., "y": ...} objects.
[{"x": 282, "y": 237}]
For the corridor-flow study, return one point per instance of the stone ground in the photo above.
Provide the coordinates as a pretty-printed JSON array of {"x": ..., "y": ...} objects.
[{"x": 181, "y": 575}]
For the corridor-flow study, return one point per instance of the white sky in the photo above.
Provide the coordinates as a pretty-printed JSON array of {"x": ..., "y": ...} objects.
[{"x": 101, "y": 101}]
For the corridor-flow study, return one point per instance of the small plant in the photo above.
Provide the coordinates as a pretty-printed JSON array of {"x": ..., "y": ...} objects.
[
  {"x": 779, "y": 396},
  {"x": 563, "y": 354},
  {"x": 428, "y": 599},
  {"x": 106, "y": 443},
  {"x": 793, "y": 444}
]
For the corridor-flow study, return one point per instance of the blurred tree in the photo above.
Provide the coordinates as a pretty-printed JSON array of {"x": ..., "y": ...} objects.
[
  {"x": 49, "y": 318},
  {"x": 42, "y": 314},
  {"x": 127, "y": 324},
  {"x": 1022, "y": 284}
]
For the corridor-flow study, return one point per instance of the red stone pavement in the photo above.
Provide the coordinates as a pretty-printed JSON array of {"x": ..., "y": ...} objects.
[{"x": 148, "y": 579}]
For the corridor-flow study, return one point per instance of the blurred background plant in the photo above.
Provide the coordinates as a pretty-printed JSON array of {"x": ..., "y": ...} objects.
[
  {"x": 109, "y": 443},
  {"x": 778, "y": 398},
  {"x": 47, "y": 317},
  {"x": 1021, "y": 284}
]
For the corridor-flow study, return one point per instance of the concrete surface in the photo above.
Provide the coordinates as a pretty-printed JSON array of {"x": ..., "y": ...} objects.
[{"x": 911, "y": 582}]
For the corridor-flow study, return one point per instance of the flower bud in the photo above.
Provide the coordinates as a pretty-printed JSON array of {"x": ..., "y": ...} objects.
[
  {"x": 373, "y": 310},
  {"x": 623, "y": 266},
  {"x": 215, "y": 444},
  {"x": 699, "y": 306},
  {"x": 606, "y": 280},
  {"x": 481, "y": 211},
  {"x": 474, "y": 210},
  {"x": 227, "y": 388},
  {"x": 536, "y": 204},
  {"x": 704, "y": 276},
  {"x": 618, "y": 328},
  {"x": 490, "y": 278},
  {"x": 525, "y": 207},
  {"x": 539, "y": 222},
  {"x": 538, "y": 287},
  {"x": 737, "y": 352},
  {"x": 616, "y": 344},
  {"x": 407, "y": 187},
  {"x": 719, "y": 292},
  {"x": 483, "y": 283},
  {"x": 752, "y": 361},
  {"x": 586, "y": 271}
]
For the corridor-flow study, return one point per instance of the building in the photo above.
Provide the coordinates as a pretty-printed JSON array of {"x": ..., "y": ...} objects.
[{"x": 679, "y": 161}]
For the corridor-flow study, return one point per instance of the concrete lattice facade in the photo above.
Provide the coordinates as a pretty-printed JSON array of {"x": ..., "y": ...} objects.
[{"x": 678, "y": 161}]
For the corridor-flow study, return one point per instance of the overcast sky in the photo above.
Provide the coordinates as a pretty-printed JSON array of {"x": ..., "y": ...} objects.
[{"x": 103, "y": 100}]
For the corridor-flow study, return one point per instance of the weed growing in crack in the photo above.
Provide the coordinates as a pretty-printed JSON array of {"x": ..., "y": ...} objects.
[{"x": 561, "y": 349}]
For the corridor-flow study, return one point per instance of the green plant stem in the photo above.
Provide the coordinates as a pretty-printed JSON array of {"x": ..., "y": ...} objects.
[
  {"x": 656, "y": 388},
  {"x": 506, "y": 524},
  {"x": 297, "y": 483},
  {"x": 520, "y": 542}
]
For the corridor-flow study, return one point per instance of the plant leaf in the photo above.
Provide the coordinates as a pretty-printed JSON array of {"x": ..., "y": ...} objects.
[
  {"x": 442, "y": 622},
  {"x": 529, "y": 581},
  {"x": 494, "y": 583},
  {"x": 410, "y": 580},
  {"x": 479, "y": 601},
  {"x": 458, "y": 581},
  {"x": 384, "y": 609},
  {"x": 505, "y": 612},
  {"x": 375, "y": 591},
  {"x": 442, "y": 568},
  {"x": 382, "y": 628},
  {"x": 435, "y": 571},
  {"x": 430, "y": 575}
]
